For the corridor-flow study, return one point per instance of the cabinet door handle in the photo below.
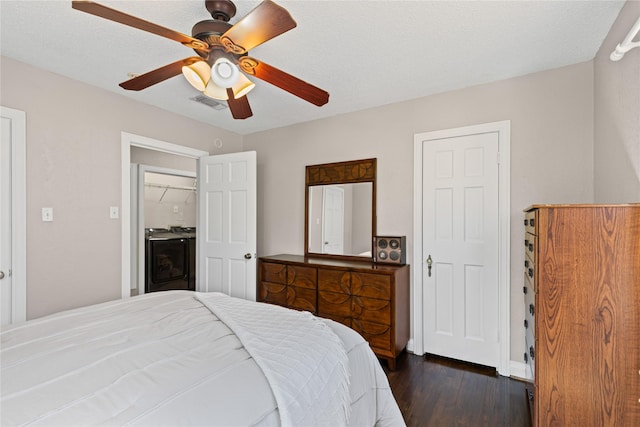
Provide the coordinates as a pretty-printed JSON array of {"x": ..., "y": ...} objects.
[
  {"x": 532, "y": 309},
  {"x": 524, "y": 289},
  {"x": 526, "y": 323},
  {"x": 531, "y": 352},
  {"x": 530, "y": 272}
]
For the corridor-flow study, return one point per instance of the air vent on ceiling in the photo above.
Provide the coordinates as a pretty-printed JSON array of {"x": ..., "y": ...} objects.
[{"x": 209, "y": 102}]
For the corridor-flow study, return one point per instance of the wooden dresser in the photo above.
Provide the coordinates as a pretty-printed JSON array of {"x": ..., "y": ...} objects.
[
  {"x": 582, "y": 297},
  {"x": 373, "y": 299}
]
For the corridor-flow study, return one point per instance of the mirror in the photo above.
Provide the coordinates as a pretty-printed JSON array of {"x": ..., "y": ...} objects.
[{"x": 340, "y": 209}]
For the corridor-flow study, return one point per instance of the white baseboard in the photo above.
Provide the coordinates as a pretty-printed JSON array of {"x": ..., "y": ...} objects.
[
  {"x": 520, "y": 370},
  {"x": 410, "y": 347}
]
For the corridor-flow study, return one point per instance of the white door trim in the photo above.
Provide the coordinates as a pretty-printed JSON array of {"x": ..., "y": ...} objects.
[
  {"x": 128, "y": 140},
  {"x": 18, "y": 212},
  {"x": 418, "y": 266}
]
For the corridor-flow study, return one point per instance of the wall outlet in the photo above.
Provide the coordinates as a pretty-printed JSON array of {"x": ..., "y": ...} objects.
[{"x": 47, "y": 214}]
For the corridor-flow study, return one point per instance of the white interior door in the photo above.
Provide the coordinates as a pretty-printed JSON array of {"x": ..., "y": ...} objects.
[
  {"x": 13, "y": 305},
  {"x": 226, "y": 231},
  {"x": 333, "y": 220},
  {"x": 5, "y": 221},
  {"x": 461, "y": 236}
]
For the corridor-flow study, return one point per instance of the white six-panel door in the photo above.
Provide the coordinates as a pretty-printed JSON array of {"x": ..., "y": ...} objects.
[
  {"x": 226, "y": 232},
  {"x": 333, "y": 220},
  {"x": 460, "y": 234}
]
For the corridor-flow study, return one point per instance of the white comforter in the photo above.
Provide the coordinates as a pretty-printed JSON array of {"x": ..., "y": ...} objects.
[{"x": 160, "y": 359}]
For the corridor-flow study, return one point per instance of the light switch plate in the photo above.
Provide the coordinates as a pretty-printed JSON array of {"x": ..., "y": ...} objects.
[
  {"x": 114, "y": 212},
  {"x": 47, "y": 214}
]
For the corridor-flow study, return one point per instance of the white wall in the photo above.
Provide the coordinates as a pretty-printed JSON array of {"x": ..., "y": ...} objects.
[
  {"x": 73, "y": 165},
  {"x": 617, "y": 115},
  {"x": 551, "y": 117},
  {"x": 169, "y": 201}
]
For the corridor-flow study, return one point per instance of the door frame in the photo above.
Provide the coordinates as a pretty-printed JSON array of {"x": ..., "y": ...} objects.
[
  {"x": 128, "y": 140},
  {"x": 503, "y": 128},
  {"x": 18, "y": 212}
]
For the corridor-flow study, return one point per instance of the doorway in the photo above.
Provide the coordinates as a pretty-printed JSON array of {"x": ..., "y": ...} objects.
[
  {"x": 161, "y": 199},
  {"x": 128, "y": 141},
  {"x": 461, "y": 225}
]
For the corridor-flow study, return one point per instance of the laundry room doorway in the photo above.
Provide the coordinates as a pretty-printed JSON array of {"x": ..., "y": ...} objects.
[{"x": 163, "y": 207}]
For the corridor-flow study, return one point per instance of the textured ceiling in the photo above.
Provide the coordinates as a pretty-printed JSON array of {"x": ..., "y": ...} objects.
[{"x": 364, "y": 53}]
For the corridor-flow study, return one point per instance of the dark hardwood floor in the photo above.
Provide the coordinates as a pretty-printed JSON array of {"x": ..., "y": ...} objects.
[{"x": 433, "y": 391}]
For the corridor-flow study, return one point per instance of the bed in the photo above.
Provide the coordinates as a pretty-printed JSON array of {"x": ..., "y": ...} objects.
[{"x": 188, "y": 358}]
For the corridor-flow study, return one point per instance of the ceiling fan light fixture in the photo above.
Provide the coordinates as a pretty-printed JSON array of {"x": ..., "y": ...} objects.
[
  {"x": 197, "y": 74},
  {"x": 224, "y": 73},
  {"x": 216, "y": 92},
  {"x": 242, "y": 87}
]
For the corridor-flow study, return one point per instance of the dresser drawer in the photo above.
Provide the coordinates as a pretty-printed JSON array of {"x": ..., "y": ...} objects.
[
  {"x": 301, "y": 298},
  {"x": 371, "y": 285},
  {"x": 334, "y": 281},
  {"x": 302, "y": 277},
  {"x": 529, "y": 301},
  {"x": 274, "y": 293},
  {"x": 530, "y": 352},
  {"x": 530, "y": 222},
  {"x": 273, "y": 272},
  {"x": 343, "y": 305},
  {"x": 530, "y": 244},
  {"x": 334, "y": 303},
  {"x": 378, "y": 335}
]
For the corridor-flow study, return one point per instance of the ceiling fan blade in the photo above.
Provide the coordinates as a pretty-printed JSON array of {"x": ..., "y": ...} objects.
[
  {"x": 117, "y": 16},
  {"x": 240, "y": 108},
  {"x": 284, "y": 81},
  {"x": 158, "y": 75},
  {"x": 263, "y": 23}
]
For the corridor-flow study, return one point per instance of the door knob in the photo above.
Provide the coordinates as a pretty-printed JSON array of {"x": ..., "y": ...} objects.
[
  {"x": 1, "y": 275},
  {"x": 247, "y": 256}
]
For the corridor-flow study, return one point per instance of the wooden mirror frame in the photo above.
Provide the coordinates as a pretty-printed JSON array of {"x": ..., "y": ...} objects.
[{"x": 351, "y": 172}]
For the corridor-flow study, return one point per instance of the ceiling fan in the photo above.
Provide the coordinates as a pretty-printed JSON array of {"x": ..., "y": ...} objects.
[{"x": 222, "y": 50}]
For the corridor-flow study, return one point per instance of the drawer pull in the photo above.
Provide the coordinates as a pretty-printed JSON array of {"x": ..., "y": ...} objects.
[
  {"x": 531, "y": 352},
  {"x": 532, "y": 309},
  {"x": 530, "y": 272},
  {"x": 531, "y": 222},
  {"x": 530, "y": 247},
  {"x": 526, "y": 243},
  {"x": 526, "y": 263},
  {"x": 526, "y": 323},
  {"x": 526, "y": 222},
  {"x": 524, "y": 289}
]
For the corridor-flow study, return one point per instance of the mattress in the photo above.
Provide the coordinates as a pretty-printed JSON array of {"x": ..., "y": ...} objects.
[{"x": 167, "y": 358}]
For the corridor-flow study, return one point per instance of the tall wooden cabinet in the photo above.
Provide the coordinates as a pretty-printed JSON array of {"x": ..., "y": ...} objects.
[
  {"x": 372, "y": 299},
  {"x": 582, "y": 297}
]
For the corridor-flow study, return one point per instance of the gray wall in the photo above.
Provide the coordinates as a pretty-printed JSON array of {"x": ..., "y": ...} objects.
[
  {"x": 551, "y": 117},
  {"x": 617, "y": 115},
  {"x": 73, "y": 165}
]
